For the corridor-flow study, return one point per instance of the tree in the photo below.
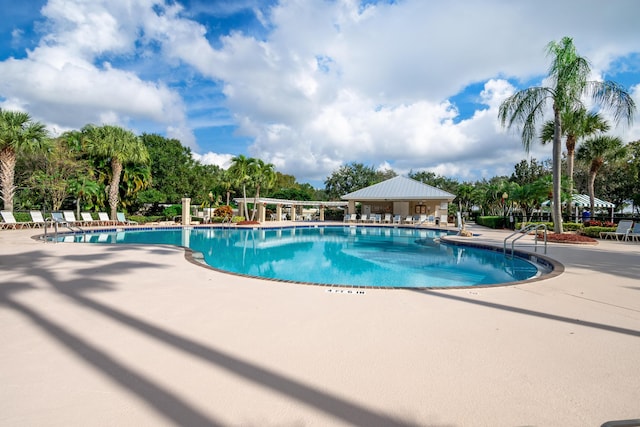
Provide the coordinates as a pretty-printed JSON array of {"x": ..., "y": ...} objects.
[
  {"x": 172, "y": 167},
  {"x": 18, "y": 134},
  {"x": 263, "y": 176},
  {"x": 349, "y": 178},
  {"x": 434, "y": 180},
  {"x": 529, "y": 172},
  {"x": 596, "y": 152},
  {"x": 240, "y": 170},
  {"x": 119, "y": 147},
  {"x": 568, "y": 76},
  {"x": 576, "y": 124}
]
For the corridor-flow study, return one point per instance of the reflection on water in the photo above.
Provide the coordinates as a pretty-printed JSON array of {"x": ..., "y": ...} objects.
[{"x": 357, "y": 256}]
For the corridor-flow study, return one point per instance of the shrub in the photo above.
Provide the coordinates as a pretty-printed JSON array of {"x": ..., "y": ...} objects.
[
  {"x": 223, "y": 211},
  {"x": 595, "y": 231},
  {"x": 491, "y": 221},
  {"x": 172, "y": 211}
]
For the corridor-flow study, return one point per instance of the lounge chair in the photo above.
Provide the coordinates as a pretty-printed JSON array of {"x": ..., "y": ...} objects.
[
  {"x": 104, "y": 219},
  {"x": 87, "y": 219},
  {"x": 377, "y": 219},
  {"x": 397, "y": 219},
  {"x": 624, "y": 226},
  {"x": 387, "y": 218},
  {"x": 364, "y": 218},
  {"x": 37, "y": 220},
  {"x": 408, "y": 219},
  {"x": 10, "y": 221},
  {"x": 70, "y": 218},
  {"x": 58, "y": 218},
  {"x": 353, "y": 218},
  {"x": 634, "y": 233},
  {"x": 123, "y": 220}
]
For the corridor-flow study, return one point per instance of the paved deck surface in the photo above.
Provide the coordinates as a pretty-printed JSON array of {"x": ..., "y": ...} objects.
[{"x": 101, "y": 335}]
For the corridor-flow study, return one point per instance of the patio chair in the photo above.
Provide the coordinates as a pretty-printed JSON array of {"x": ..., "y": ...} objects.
[
  {"x": 123, "y": 220},
  {"x": 58, "y": 218},
  {"x": 10, "y": 221},
  {"x": 87, "y": 219},
  {"x": 37, "y": 220},
  {"x": 70, "y": 218},
  {"x": 624, "y": 226},
  {"x": 104, "y": 219},
  {"x": 634, "y": 233}
]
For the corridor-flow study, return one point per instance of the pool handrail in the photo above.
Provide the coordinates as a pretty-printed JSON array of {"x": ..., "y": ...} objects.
[{"x": 523, "y": 232}]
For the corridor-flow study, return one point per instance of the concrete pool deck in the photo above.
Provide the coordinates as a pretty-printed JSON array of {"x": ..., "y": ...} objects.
[{"x": 136, "y": 335}]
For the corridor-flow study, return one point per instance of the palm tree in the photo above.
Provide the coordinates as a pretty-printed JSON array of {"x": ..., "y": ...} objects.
[
  {"x": 264, "y": 176},
  {"x": 568, "y": 75},
  {"x": 119, "y": 147},
  {"x": 18, "y": 134},
  {"x": 226, "y": 182},
  {"x": 576, "y": 124},
  {"x": 596, "y": 152},
  {"x": 240, "y": 170}
]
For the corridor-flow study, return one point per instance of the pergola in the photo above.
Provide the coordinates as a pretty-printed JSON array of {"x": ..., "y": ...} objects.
[{"x": 262, "y": 203}]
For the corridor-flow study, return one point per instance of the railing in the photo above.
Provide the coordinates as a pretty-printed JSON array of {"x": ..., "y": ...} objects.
[
  {"x": 523, "y": 232},
  {"x": 55, "y": 224}
]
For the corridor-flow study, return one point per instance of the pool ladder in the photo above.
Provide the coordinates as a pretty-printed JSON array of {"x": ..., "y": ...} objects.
[
  {"x": 525, "y": 230},
  {"x": 54, "y": 224}
]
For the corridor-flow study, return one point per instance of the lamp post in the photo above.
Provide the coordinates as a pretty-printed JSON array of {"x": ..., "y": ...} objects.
[{"x": 505, "y": 196}]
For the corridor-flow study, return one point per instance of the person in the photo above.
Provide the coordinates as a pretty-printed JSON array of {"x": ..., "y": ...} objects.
[{"x": 586, "y": 215}]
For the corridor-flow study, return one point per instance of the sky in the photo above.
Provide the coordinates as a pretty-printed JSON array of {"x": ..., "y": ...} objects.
[{"x": 309, "y": 85}]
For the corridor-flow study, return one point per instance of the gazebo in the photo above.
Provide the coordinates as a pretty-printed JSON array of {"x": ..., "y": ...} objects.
[
  {"x": 581, "y": 201},
  {"x": 401, "y": 196}
]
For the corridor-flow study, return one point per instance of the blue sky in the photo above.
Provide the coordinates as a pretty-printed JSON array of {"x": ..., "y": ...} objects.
[{"x": 308, "y": 85}]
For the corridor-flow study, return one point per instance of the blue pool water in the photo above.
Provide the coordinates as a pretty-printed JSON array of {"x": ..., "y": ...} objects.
[{"x": 353, "y": 256}]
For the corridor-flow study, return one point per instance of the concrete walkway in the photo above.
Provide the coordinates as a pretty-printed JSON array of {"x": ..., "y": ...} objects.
[{"x": 137, "y": 336}]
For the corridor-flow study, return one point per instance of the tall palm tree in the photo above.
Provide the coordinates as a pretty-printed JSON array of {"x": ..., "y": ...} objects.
[
  {"x": 596, "y": 152},
  {"x": 240, "y": 170},
  {"x": 18, "y": 134},
  {"x": 568, "y": 75},
  {"x": 576, "y": 125},
  {"x": 264, "y": 176},
  {"x": 119, "y": 147}
]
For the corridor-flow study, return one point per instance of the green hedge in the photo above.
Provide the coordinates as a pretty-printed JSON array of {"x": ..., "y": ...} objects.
[
  {"x": 566, "y": 226},
  {"x": 595, "y": 231},
  {"x": 491, "y": 221}
]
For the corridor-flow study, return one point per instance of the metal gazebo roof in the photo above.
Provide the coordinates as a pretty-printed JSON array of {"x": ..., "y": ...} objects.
[{"x": 582, "y": 201}]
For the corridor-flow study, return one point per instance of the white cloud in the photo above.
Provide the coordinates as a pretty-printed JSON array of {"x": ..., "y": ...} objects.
[
  {"x": 331, "y": 83},
  {"x": 210, "y": 158}
]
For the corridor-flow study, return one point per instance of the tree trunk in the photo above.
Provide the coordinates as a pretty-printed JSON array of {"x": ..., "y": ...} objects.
[
  {"x": 114, "y": 188},
  {"x": 7, "y": 171},
  {"x": 592, "y": 196},
  {"x": 556, "y": 206},
  {"x": 595, "y": 166},
  {"x": 571, "y": 152},
  {"x": 246, "y": 208},
  {"x": 255, "y": 202}
]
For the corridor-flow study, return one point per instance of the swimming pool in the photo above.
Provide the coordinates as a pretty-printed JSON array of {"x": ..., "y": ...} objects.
[{"x": 343, "y": 255}]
